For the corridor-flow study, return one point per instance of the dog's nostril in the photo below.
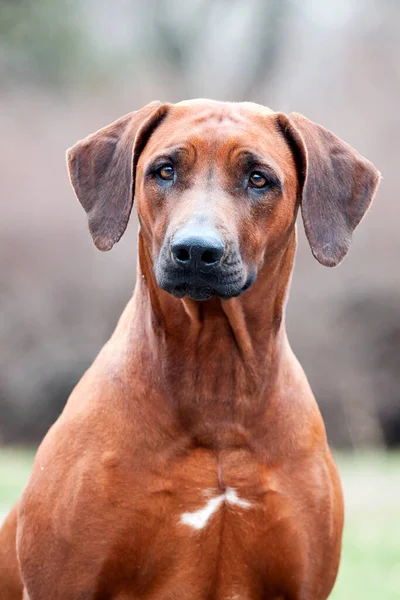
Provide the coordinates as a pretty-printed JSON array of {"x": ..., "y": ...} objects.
[
  {"x": 182, "y": 254},
  {"x": 208, "y": 257},
  {"x": 197, "y": 252}
]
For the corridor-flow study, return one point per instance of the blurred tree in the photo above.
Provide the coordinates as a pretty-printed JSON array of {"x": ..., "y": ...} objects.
[
  {"x": 227, "y": 45},
  {"x": 40, "y": 41}
]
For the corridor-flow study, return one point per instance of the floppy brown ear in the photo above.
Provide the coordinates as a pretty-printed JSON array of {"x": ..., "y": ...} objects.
[
  {"x": 337, "y": 186},
  {"x": 102, "y": 170}
]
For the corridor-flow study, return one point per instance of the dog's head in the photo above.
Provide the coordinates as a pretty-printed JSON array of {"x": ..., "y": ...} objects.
[{"x": 217, "y": 187}]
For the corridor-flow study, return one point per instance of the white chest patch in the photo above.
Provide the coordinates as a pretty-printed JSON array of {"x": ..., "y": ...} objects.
[{"x": 199, "y": 518}]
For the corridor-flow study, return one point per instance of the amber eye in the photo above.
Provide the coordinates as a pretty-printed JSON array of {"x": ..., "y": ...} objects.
[
  {"x": 166, "y": 172},
  {"x": 257, "y": 180}
]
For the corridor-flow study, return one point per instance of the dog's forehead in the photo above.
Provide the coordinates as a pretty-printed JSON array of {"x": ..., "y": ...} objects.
[
  {"x": 204, "y": 112},
  {"x": 217, "y": 106},
  {"x": 210, "y": 124}
]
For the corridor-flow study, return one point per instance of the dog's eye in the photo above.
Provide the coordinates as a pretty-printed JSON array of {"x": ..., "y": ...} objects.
[
  {"x": 258, "y": 180},
  {"x": 166, "y": 172}
]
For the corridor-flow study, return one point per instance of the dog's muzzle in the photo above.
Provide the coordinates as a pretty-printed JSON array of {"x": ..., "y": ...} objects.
[{"x": 198, "y": 264}]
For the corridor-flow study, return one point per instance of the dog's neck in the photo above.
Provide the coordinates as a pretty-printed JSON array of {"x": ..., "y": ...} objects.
[{"x": 214, "y": 358}]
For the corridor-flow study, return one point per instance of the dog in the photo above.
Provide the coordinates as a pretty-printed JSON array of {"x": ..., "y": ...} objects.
[{"x": 191, "y": 460}]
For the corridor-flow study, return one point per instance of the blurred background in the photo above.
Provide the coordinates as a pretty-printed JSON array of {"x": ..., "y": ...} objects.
[{"x": 68, "y": 67}]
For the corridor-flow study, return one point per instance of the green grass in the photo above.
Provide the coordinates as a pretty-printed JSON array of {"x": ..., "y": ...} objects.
[
  {"x": 15, "y": 467},
  {"x": 370, "y": 568}
]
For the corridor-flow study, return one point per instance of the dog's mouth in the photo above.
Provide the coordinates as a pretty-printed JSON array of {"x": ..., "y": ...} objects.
[{"x": 203, "y": 288}]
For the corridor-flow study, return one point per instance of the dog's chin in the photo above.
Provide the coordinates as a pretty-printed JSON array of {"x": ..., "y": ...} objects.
[{"x": 201, "y": 292}]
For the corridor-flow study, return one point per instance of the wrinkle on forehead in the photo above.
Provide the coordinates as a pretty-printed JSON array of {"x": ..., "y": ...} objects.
[
  {"x": 202, "y": 111},
  {"x": 251, "y": 106}
]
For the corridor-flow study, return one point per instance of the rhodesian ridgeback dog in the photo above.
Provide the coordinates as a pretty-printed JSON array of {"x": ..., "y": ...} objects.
[{"x": 191, "y": 460}]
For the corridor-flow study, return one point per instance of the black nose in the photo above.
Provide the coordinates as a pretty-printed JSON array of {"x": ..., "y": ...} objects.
[{"x": 197, "y": 251}]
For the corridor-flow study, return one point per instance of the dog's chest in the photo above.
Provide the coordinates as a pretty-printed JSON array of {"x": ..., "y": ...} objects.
[
  {"x": 201, "y": 521},
  {"x": 202, "y": 524}
]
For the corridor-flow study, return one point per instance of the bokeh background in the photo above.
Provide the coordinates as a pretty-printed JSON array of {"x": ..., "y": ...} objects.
[{"x": 68, "y": 67}]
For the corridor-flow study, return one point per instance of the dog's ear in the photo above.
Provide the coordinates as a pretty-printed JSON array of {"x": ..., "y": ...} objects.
[
  {"x": 102, "y": 171},
  {"x": 336, "y": 185}
]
